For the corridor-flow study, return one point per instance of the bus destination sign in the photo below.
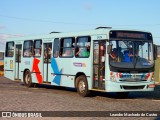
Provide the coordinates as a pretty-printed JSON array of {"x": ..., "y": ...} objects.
[{"x": 131, "y": 35}]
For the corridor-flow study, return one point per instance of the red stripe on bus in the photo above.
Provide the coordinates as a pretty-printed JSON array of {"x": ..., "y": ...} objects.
[{"x": 35, "y": 68}]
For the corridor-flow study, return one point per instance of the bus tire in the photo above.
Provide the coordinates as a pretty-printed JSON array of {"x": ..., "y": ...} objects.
[
  {"x": 82, "y": 86},
  {"x": 28, "y": 79}
]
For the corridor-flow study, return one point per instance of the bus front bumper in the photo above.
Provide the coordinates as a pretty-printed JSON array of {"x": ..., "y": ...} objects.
[{"x": 128, "y": 87}]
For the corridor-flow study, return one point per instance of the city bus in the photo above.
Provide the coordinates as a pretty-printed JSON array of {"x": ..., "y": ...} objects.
[{"x": 103, "y": 59}]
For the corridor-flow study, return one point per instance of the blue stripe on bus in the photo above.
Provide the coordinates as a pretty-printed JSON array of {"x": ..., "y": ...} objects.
[{"x": 56, "y": 71}]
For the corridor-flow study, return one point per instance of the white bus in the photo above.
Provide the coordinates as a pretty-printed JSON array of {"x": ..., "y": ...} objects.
[{"x": 102, "y": 60}]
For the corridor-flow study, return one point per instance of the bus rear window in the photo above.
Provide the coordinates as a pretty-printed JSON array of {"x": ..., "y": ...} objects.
[{"x": 9, "y": 49}]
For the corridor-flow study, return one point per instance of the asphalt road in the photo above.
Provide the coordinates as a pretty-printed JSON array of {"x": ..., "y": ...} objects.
[{"x": 14, "y": 96}]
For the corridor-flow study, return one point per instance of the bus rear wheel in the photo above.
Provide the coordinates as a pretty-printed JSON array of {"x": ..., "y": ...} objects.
[
  {"x": 82, "y": 86},
  {"x": 28, "y": 79}
]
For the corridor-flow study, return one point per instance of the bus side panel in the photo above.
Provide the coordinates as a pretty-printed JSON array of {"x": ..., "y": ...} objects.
[
  {"x": 65, "y": 70},
  {"x": 27, "y": 65},
  {"x": 83, "y": 65},
  {"x": 9, "y": 67},
  {"x": 37, "y": 70},
  {"x": 59, "y": 75}
]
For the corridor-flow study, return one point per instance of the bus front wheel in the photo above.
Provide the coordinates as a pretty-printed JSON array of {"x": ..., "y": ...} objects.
[
  {"x": 28, "y": 79},
  {"x": 82, "y": 86}
]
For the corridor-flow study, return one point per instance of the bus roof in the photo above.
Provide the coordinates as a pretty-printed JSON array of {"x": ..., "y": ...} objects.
[{"x": 99, "y": 31}]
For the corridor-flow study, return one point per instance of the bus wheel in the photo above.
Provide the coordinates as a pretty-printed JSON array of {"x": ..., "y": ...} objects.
[
  {"x": 123, "y": 94},
  {"x": 28, "y": 79},
  {"x": 82, "y": 86}
]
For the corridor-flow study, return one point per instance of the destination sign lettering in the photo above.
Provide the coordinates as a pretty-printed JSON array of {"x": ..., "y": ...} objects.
[{"x": 131, "y": 35}]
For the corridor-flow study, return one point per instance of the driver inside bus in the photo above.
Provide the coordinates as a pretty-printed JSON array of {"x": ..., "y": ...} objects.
[{"x": 128, "y": 55}]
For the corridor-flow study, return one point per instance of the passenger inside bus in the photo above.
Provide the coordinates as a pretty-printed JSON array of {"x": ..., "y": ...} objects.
[
  {"x": 68, "y": 52},
  {"x": 113, "y": 54},
  {"x": 27, "y": 53},
  {"x": 37, "y": 52},
  {"x": 47, "y": 53},
  {"x": 83, "y": 52},
  {"x": 56, "y": 53}
]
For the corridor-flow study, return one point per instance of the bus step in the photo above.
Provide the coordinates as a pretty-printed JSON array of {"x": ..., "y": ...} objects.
[
  {"x": 17, "y": 80},
  {"x": 48, "y": 83}
]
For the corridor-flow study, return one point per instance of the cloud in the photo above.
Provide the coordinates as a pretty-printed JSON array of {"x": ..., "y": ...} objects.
[
  {"x": 88, "y": 6},
  {"x": 4, "y": 37},
  {"x": 2, "y": 27}
]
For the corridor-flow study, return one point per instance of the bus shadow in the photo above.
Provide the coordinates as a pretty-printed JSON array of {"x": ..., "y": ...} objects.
[
  {"x": 153, "y": 95},
  {"x": 52, "y": 87}
]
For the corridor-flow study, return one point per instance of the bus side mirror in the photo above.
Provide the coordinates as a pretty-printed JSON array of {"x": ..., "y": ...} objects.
[
  {"x": 155, "y": 51},
  {"x": 109, "y": 49}
]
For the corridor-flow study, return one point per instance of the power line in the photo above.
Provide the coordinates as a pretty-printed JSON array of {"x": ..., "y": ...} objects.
[
  {"x": 10, "y": 35},
  {"x": 49, "y": 21}
]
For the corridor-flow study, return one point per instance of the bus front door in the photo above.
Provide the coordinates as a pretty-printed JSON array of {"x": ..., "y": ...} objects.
[
  {"x": 99, "y": 54},
  {"x": 18, "y": 61},
  {"x": 47, "y": 62}
]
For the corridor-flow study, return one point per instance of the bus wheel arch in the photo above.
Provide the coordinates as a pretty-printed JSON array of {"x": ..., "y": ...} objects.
[
  {"x": 81, "y": 84},
  {"x": 27, "y": 78}
]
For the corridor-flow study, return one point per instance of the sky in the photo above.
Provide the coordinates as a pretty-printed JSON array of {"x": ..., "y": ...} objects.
[{"x": 35, "y": 17}]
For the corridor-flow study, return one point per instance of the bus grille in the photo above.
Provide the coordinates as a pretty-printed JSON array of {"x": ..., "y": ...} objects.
[
  {"x": 132, "y": 80},
  {"x": 132, "y": 87}
]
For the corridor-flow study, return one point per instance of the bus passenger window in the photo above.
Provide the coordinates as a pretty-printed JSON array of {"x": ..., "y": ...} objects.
[
  {"x": 83, "y": 47},
  {"x": 67, "y": 47},
  {"x": 37, "y": 48},
  {"x": 67, "y": 52},
  {"x": 56, "y": 48},
  {"x": 9, "y": 49},
  {"x": 27, "y": 48}
]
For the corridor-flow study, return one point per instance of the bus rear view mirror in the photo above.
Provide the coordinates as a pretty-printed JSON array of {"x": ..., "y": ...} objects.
[{"x": 109, "y": 49}]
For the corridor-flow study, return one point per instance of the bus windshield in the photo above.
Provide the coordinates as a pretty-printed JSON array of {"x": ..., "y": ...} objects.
[{"x": 131, "y": 53}]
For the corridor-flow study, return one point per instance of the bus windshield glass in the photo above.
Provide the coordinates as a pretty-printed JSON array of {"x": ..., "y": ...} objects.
[{"x": 131, "y": 54}]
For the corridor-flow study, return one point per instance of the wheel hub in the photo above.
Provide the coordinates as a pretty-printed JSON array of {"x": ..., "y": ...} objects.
[{"x": 82, "y": 86}]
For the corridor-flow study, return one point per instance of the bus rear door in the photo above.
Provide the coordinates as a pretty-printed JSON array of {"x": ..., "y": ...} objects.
[
  {"x": 47, "y": 50},
  {"x": 18, "y": 53}
]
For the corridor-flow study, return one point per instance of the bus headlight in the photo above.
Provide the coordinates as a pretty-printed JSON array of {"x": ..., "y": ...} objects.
[
  {"x": 113, "y": 78},
  {"x": 152, "y": 78}
]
